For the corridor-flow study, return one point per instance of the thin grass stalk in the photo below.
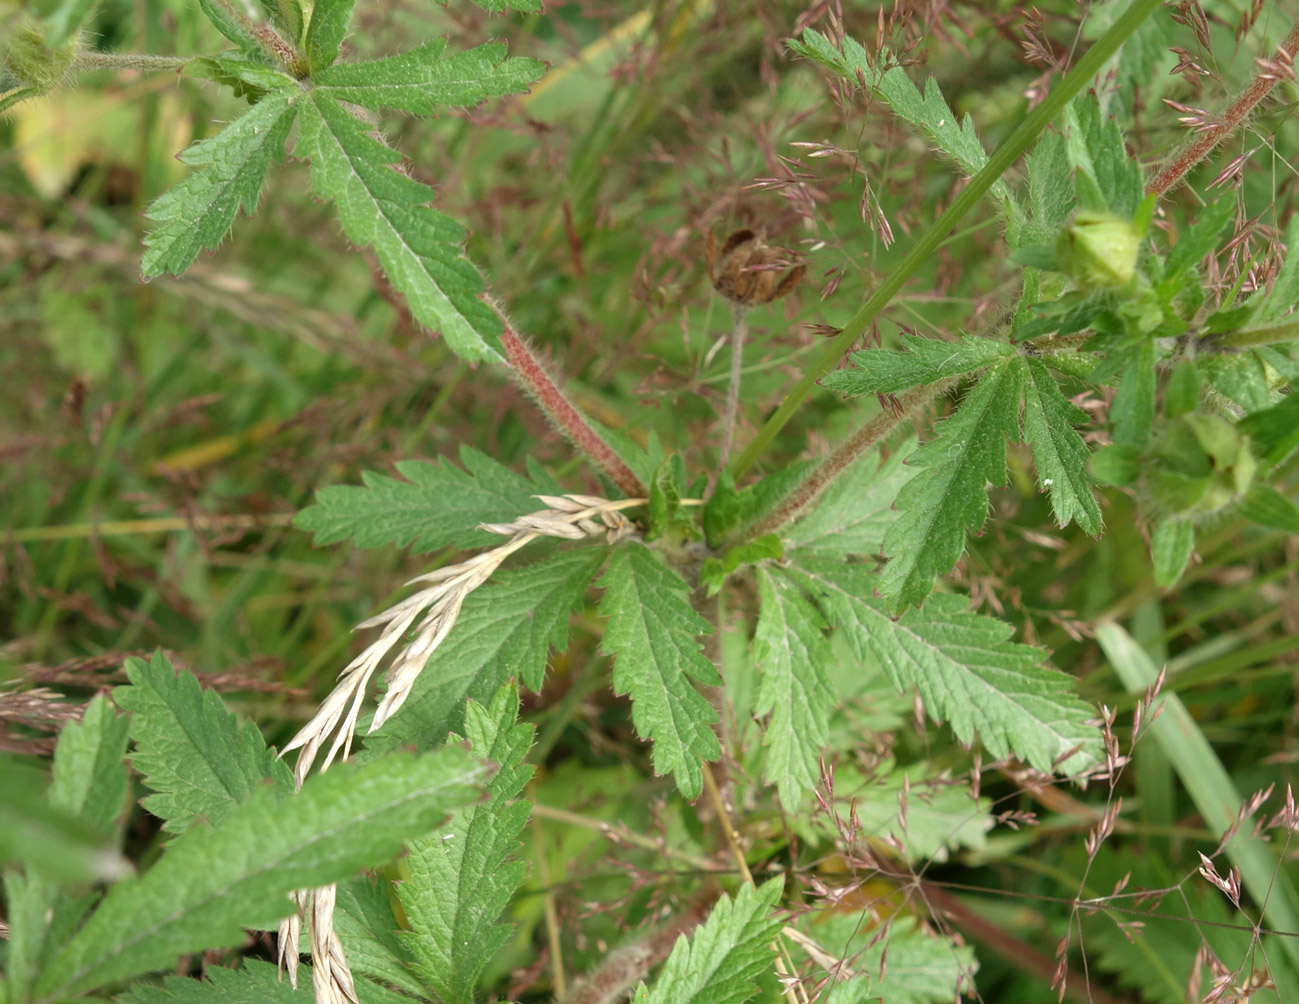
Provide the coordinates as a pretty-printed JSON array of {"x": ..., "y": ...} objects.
[{"x": 1001, "y": 160}]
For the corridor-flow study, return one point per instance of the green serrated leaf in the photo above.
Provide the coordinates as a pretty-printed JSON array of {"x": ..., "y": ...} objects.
[
  {"x": 925, "y": 817},
  {"x": 45, "y": 838},
  {"x": 949, "y": 495},
  {"x": 461, "y": 880},
  {"x": 325, "y": 33},
  {"x": 438, "y": 505},
  {"x": 715, "y": 571},
  {"x": 925, "y": 109},
  {"x": 232, "y": 25},
  {"x": 421, "y": 80},
  {"x": 665, "y": 510},
  {"x": 214, "y": 881},
  {"x": 652, "y": 634},
  {"x": 90, "y": 778},
  {"x": 229, "y": 171},
  {"x": 420, "y": 249},
  {"x": 1241, "y": 377},
  {"x": 791, "y": 652},
  {"x": 88, "y": 797},
  {"x": 966, "y": 669},
  {"x": 1199, "y": 240},
  {"x": 497, "y": 6},
  {"x": 1285, "y": 287},
  {"x": 1133, "y": 412},
  {"x": 1058, "y": 449},
  {"x": 200, "y": 761},
  {"x": 852, "y": 516},
  {"x": 1050, "y": 190},
  {"x": 1116, "y": 465},
  {"x": 1182, "y": 394},
  {"x": 722, "y": 510},
  {"x": 1171, "y": 546},
  {"x": 505, "y": 629},
  {"x": 1097, "y": 150},
  {"x": 65, "y": 20},
  {"x": 256, "y": 983},
  {"x": 924, "y": 361},
  {"x": 905, "y": 966},
  {"x": 1274, "y": 431},
  {"x": 367, "y": 926},
  {"x": 1267, "y": 507},
  {"x": 726, "y": 953}
]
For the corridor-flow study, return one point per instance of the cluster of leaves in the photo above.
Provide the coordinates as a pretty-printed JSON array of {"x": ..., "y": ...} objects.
[
  {"x": 240, "y": 840},
  {"x": 1197, "y": 423},
  {"x": 1099, "y": 308},
  {"x": 288, "y": 66}
]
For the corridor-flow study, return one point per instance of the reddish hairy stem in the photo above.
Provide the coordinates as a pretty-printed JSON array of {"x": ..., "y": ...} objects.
[
  {"x": 865, "y": 438},
  {"x": 1237, "y": 112},
  {"x": 532, "y": 374}
]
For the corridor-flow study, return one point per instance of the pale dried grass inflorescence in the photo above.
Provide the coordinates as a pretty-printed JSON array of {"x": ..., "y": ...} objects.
[{"x": 430, "y": 614}]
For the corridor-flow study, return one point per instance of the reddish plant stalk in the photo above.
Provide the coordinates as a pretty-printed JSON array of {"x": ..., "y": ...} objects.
[
  {"x": 532, "y": 374},
  {"x": 1237, "y": 112}
]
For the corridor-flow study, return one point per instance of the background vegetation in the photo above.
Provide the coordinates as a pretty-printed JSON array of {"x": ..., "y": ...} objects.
[{"x": 157, "y": 438}]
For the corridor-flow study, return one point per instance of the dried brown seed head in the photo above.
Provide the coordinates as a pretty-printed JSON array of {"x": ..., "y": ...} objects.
[{"x": 750, "y": 272}]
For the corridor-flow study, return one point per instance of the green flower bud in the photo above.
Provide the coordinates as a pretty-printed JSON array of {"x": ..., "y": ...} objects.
[
  {"x": 1099, "y": 251},
  {"x": 30, "y": 61},
  {"x": 1200, "y": 465}
]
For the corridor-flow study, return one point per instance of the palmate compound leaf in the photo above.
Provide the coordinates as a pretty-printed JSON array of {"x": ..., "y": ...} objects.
[
  {"x": 949, "y": 493},
  {"x": 719, "y": 962},
  {"x": 462, "y": 877},
  {"x": 438, "y": 505},
  {"x": 229, "y": 169},
  {"x": 791, "y": 652},
  {"x": 505, "y": 629},
  {"x": 195, "y": 755},
  {"x": 419, "y": 248},
  {"x": 212, "y": 882},
  {"x": 1058, "y": 450},
  {"x": 652, "y": 635},
  {"x": 967, "y": 671}
]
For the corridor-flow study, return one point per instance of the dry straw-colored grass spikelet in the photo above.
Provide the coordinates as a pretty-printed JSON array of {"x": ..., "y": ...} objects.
[{"x": 427, "y": 616}]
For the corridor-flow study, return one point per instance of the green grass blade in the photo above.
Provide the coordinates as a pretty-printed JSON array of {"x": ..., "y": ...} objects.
[{"x": 1214, "y": 794}]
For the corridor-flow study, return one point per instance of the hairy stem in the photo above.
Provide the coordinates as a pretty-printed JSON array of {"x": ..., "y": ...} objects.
[
  {"x": 733, "y": 388},
  {"x": 1247, "y": 338},
  {"x": 87, "y": 60},
  {"x": 532, "y": 374},
  {"x": 1014, "y": 146},
  {"x": 819, "y": 478},
  {"x": 1237, "y": 112}
]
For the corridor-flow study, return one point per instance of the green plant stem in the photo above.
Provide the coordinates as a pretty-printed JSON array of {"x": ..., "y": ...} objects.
[
  {"x": 1014, "y": 146},
  {"x": 87, "y": 60},
  {"x": 1247, "y": 338},
  {"x": 1237, "y": 112},
  {"x": 733, "y": 388}
]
